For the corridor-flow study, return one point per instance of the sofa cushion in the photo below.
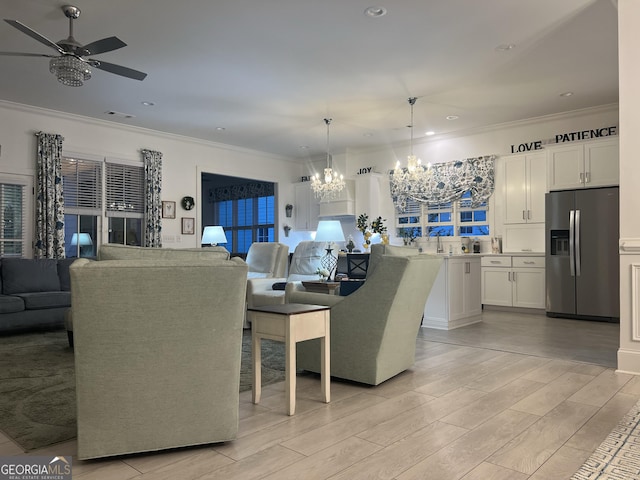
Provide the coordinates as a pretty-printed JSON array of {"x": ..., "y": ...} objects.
[
  {"x": 40, "y": 300},
  {"x": 11, "y": 304},
  {"x": 23, "y": 275}
]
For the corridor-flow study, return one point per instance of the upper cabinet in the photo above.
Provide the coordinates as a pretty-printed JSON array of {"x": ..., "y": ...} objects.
[
  {"x": 525, "y": 183},
  {"x": 306, "y": 208},
  {"x": 583, "y": 165}
]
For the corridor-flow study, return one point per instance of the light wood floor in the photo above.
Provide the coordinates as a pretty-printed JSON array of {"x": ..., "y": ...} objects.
[{"x": 517, "y": 397}]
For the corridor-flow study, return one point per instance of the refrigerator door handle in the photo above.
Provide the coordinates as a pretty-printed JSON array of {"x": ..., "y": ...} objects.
[
  {"x": 577, "y": 250},
  {"x": 572, "y": 229}
]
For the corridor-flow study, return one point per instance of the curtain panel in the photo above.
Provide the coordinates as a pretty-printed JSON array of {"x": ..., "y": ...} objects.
[
  {"x": 49, "y": 234},
  {"x": 153, "y": 199},
  {"x": 444, "y": 182}
]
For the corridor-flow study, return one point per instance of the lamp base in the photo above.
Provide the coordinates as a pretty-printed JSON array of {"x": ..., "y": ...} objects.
[{"x": 329, "y": 263}]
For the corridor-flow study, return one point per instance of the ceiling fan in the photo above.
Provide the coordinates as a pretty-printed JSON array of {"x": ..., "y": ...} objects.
[{"x": 71, "y": 67}]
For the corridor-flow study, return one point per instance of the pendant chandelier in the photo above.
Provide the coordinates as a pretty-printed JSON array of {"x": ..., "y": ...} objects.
[
  {"x": 414, "y": 176},
  {"x": 333, "y": 183}
]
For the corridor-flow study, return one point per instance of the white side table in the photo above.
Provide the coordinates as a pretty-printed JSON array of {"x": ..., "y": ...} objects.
[{"x": 290, "y": 323}]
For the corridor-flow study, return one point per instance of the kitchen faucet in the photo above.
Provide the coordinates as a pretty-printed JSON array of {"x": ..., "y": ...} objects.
[{"x": 439, "y": 248}]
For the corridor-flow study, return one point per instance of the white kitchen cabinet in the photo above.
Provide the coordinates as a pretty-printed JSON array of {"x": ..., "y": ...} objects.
[
  {"x": 513, "y": 281},
  {"x": 583, "y": 165},
  {"x": 525, "y": 183},
  {"x": 373, "y": 196},
  {"x": 454, "y": 300},
  {"x": 306, "y": 208}
]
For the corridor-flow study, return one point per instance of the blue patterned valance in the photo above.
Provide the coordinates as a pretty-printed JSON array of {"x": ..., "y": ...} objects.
[
  {"x": 241, "y": 191},
  {"x": 444, "y": 182}
]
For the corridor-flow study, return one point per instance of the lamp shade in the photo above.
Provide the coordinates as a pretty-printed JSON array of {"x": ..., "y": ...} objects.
[
  {"x": 81, "y": 239},
  {"x": 329, "y": 231},
  {"x": 213, "y": 235}
]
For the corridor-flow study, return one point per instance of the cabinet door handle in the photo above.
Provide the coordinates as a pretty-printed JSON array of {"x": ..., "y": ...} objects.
[
  {"x": 467, "y": 267},
  {"x": 587, "y": 177},
  {"x": 529, "y": 263},
  {"x": 509, "y": 276},
  {"x": 528, "y": 214},
  {"x": 523, "y": 215},
  {"x": 496, "y": 262},
  {"x": 514, "y": 276},
  {"x": 581, "y": 177}
]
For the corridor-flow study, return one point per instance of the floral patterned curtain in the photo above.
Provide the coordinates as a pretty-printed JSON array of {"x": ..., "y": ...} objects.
[
  {"x": 444, "y": 182},
  {"x": 153, "y": 200},
  {"x": 49, "y": 197}
]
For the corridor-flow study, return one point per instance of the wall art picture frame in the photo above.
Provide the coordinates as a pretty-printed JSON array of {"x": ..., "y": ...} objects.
[
  {"x": 168, "y": 209},
  {"x": 188, "y": 226}
]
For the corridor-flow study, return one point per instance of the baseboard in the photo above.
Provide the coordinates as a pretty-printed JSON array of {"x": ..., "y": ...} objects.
[
  {"x": 500, "y": 308},
  {"x": 628, "y": 361}
]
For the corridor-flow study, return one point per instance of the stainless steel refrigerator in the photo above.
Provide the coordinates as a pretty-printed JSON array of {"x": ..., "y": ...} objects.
[{"x": 582, "y": 265}]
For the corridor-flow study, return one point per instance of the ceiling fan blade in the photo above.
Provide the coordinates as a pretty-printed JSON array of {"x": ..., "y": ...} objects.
[
  {"x": 19, "y": 54},
  {"x": 101, "y": 46},
  {"x": 33, "y": 34},
  {"x": 118, "y": 69}
]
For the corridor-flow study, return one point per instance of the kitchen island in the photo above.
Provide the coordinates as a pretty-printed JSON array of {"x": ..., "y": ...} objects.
[{"x": 455, "y": 298}]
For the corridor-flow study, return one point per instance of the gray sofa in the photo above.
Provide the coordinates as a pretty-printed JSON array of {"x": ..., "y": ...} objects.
[{"x": 35, "y": 293}]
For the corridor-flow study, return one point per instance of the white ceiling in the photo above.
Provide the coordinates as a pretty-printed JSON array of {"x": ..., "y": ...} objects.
[{"x": 269, "y": 71}]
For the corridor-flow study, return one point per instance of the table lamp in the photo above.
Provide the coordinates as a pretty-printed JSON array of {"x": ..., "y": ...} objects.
[
  {"x": 82, "y": 239},
  {"x": 212, "y": 235},
  {"x": 329, "y": 231}
]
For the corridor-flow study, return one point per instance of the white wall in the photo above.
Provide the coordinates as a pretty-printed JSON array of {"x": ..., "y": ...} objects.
[
  {"x": 629, "y": 74},
  {"x": 184, "y": 159}
]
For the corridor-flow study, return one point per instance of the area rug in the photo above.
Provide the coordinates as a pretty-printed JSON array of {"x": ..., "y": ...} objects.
[
  {"x": 37, "y": 385},
  {"x": 618, "y": 456}
]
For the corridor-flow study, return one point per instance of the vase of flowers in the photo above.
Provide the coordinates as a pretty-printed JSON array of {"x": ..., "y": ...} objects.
[
  {"x": 363, "y": 225},
  {"x": 377, "y": 226},
  {"x": 323, "y": 273}
]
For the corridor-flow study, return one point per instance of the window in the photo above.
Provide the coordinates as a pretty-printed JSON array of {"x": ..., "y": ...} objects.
[
  {"x": 124, "y": 188},
  {"x": 82, "y": 187},
  {"x": 13, "y": 202},
  {"x": 84, "y": 181},
  {"x": 245, "y": 221},
  {"x": 457, "y": 218}
]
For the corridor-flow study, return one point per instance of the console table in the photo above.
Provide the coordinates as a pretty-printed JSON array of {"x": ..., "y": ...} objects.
[{"x": 290, "y": 323}]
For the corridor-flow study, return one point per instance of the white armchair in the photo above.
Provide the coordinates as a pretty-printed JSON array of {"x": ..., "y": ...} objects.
[
  {"x": 304, "y": 264},
  {"x": 267, "y": 260}
]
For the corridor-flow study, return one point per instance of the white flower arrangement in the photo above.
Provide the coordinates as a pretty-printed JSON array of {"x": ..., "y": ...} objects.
[{"x": 323, "y": 273}]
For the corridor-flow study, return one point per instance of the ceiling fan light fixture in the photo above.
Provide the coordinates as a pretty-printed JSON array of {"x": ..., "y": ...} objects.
[{"x": 70, "y": 70}]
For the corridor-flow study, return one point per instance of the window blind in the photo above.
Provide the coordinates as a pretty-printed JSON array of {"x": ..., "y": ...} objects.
[
  {"x": 82, "y": 186},
  {"x": 12, "y": 215},
  {"x": 124, "y": 190}
]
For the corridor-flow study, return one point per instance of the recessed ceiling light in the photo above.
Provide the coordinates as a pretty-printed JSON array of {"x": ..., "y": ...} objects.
[
  {"x": 452, "y": 117},
  {"x": 429, "y": 133},
  {"x": 375, "y": 12},
  {"x": 304, "y": 147},
  {"x": 505, "y": 47},
  {"x": 566, "y": 94},
  {"x": 220, "y": 129},
  {"x": 368, "y": 134},
  {"x": 148, "y": 104}
]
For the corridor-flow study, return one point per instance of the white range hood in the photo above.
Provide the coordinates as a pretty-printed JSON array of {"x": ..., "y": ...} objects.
[{"x": 341, "y": 206}]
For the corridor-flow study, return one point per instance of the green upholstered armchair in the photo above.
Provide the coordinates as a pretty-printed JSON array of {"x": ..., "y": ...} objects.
[
  {"x": 158, "y": 345},
  {"x": 373, "y": 330}
]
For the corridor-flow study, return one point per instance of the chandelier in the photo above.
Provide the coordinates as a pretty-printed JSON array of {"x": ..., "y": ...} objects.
[
  {"x": 70, "y": 70},
  {"x": 415, "y": 176},
  {"x": 333, "y": 183}
]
